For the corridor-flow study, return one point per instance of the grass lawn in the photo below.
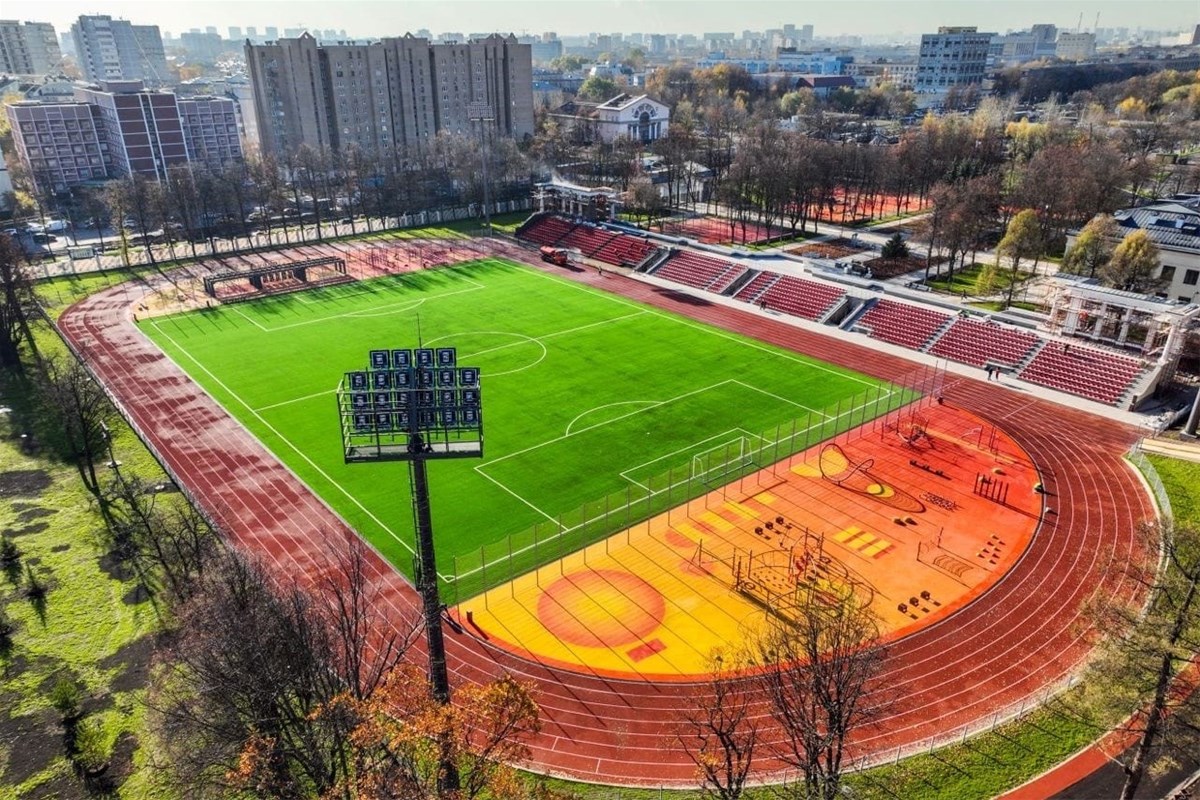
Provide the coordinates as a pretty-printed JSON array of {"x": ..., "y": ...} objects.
[
  {"x": 1181, "y": 479},
  {"x": 94, "y": 627},
  {"x": 1000, "y": 305},
  {"x": 586, "y": 396},
  {"x": 964, "y": 280}
]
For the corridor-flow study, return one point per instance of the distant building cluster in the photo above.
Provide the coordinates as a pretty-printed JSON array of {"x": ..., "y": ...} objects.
[{"x": 387, "y": 96}]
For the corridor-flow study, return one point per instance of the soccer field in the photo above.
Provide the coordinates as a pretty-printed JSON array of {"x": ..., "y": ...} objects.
[{"x": 588, "y": 397}]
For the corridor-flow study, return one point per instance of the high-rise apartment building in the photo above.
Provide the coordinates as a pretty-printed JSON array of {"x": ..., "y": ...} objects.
[
  {"x": 235, "y": 32},
  {"x": 386, "y": 96},
  {"x": 951, "y": 57},
  {"x": 115, "y": 50},
  {"x": 28, "y": 48},
  {"x": 120, "y": 128}
]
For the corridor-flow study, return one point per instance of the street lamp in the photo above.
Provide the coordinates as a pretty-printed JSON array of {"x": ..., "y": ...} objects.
[{"x": 416, "y": 405}]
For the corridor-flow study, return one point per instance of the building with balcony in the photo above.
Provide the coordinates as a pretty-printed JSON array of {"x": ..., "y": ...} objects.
[
  {"x": 118, "y": 129},
  {"x": 387, "y": 96},
  {"x": 116, "y": 50},
  {"x": 28, "y": 48}
]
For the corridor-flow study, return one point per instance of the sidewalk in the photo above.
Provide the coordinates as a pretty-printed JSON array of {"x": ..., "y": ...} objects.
[{"x": 1175, "y": 448}]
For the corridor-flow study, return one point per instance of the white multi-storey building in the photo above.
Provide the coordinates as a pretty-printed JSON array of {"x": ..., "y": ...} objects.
[
  {"x": 951, "y": 57},
  {"x": 28, "y": 48},
  {"x": 115, "y": 50}
]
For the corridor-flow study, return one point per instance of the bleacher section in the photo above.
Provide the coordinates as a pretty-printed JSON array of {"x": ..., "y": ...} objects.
[
  {"x": 978, "y": 343},
  {"x": 699, "y": 271},
  {"x": 545, "y": 230},
  {"x": 902, "y": 324},
  {"x": 1082, "y": 371},
  {"x": 1094, "y": 374},
  {"x": 802, "y": 298},
  {"x": 624, "y": 251},
  {"x": 586, "y": 239},
  {"x": 611, "y": 247},
  {"x": 750, "y": 292}
]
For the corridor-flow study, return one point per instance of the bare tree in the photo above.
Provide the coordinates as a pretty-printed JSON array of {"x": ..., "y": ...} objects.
[
  {"x": 167, "y": 544},
  {"x": 1138, "y": 667},
  {"x": 15, "y": 304},
  {"x": 817, "y": 669},
  {"x": 76, "y": 416},
  {"x": 720, "y": 733},
  {"x": 250, "y": 695}
]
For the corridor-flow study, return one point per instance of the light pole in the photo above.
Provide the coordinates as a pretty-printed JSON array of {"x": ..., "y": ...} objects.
[
  {"x": 414, "y": 406},
  {"x": 482, "y": 113}
]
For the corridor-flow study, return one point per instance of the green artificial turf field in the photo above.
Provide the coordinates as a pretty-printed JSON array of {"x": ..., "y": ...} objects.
[{"x": 588, "y": 398}]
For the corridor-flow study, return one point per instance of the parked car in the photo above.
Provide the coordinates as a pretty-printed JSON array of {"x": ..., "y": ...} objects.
[{"x": 56, "y": 225}]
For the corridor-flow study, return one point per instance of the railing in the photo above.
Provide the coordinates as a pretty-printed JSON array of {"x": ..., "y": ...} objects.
[
  {"x": 1150, "y": 474},
  {"x": 725, "y": 466}
]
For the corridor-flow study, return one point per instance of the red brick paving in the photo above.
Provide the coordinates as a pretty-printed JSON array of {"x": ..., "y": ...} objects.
[{"x": 1027, "y": 633}]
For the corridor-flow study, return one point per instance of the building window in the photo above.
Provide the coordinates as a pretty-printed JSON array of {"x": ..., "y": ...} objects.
[
  {"x": 1191, "y": 277},
  {"x": 1168, "y": 273}
]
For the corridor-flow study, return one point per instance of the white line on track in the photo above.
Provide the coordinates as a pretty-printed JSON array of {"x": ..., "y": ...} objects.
[{"x": 282, "y": 438}]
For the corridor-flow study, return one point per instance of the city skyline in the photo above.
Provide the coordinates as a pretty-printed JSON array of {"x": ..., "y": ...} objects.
[{"x": 869, "y": 18}]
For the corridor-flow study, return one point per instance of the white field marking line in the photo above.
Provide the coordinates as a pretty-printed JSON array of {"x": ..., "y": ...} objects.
[
  {"x": 251, "y": 320},
  {"x": 809, "y": 362},
  {"x": 540, "y": 359},
  {"x": 379, "y": 311},
  {"x": 479, "y": 467},
  {"x": 514, "y": 494},
  {"x": 283, "y": 439},
  {"x": 746, "y": 435},
  {"x": 656, "y": 404},
  {"x": 608, "y": 405},
  {"x": 296, "y": 400},
  {"x": 526, "y": 338},
  {"x": 780, "y": 398}
]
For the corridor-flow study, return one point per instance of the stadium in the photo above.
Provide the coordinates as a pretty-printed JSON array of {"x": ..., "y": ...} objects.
[{"x": 680, "y": 447}]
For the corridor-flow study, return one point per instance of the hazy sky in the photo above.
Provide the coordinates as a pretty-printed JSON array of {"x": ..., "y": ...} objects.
[{"x": 374, "y": 18}]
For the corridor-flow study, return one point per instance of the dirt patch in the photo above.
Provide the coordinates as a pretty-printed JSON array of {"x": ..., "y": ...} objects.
[
  {"x": 28, "y": 513},
  {"x": 884, "y": 268},
  {"x": 833, "y": 249},
  {"x": 135, "y": 658},
  {"x": 63, "y": 787},
  {"x": 24, "y": 482},
  {"x": 135, "y": 596},
  {"x": 36, "y": 527},
  {"x": 114, "y": 567},
  {"x": 33, "y": 742},
  {"x": 60, "y": 548},
  {"x": 121, "y": 764}
]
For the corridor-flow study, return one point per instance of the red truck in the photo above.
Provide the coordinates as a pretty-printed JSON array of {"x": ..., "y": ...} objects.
[{"x": 554, "y": 255}]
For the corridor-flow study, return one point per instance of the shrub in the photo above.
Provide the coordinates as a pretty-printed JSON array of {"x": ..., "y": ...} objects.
[
  {"x": 9, "y": 553},
  {"x": 65, "y": 697},
  {"x": 895, "y": 247},
  {"x": 92, "y": 747}
]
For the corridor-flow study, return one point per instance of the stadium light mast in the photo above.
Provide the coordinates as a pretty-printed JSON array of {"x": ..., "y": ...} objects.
[
  {"x": 416, "y": 406},
  {"x": 482, "y": 113}
]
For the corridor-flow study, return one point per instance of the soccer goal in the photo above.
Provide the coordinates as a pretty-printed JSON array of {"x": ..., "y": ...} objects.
[{"x": 725, "y": 462}]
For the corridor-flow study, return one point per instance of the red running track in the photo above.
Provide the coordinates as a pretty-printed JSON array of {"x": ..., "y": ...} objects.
[{"x": 1025, "y": 634}]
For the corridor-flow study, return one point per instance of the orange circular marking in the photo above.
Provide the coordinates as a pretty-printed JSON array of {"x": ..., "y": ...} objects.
[
  {"x": 601, "y": 608},
  {"x": 677, "y": 539}
]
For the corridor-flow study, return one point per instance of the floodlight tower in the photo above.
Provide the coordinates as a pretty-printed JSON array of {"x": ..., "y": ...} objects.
[
  {"x": 482, "y": 113},
  {"x": 415, "y": 405}
]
